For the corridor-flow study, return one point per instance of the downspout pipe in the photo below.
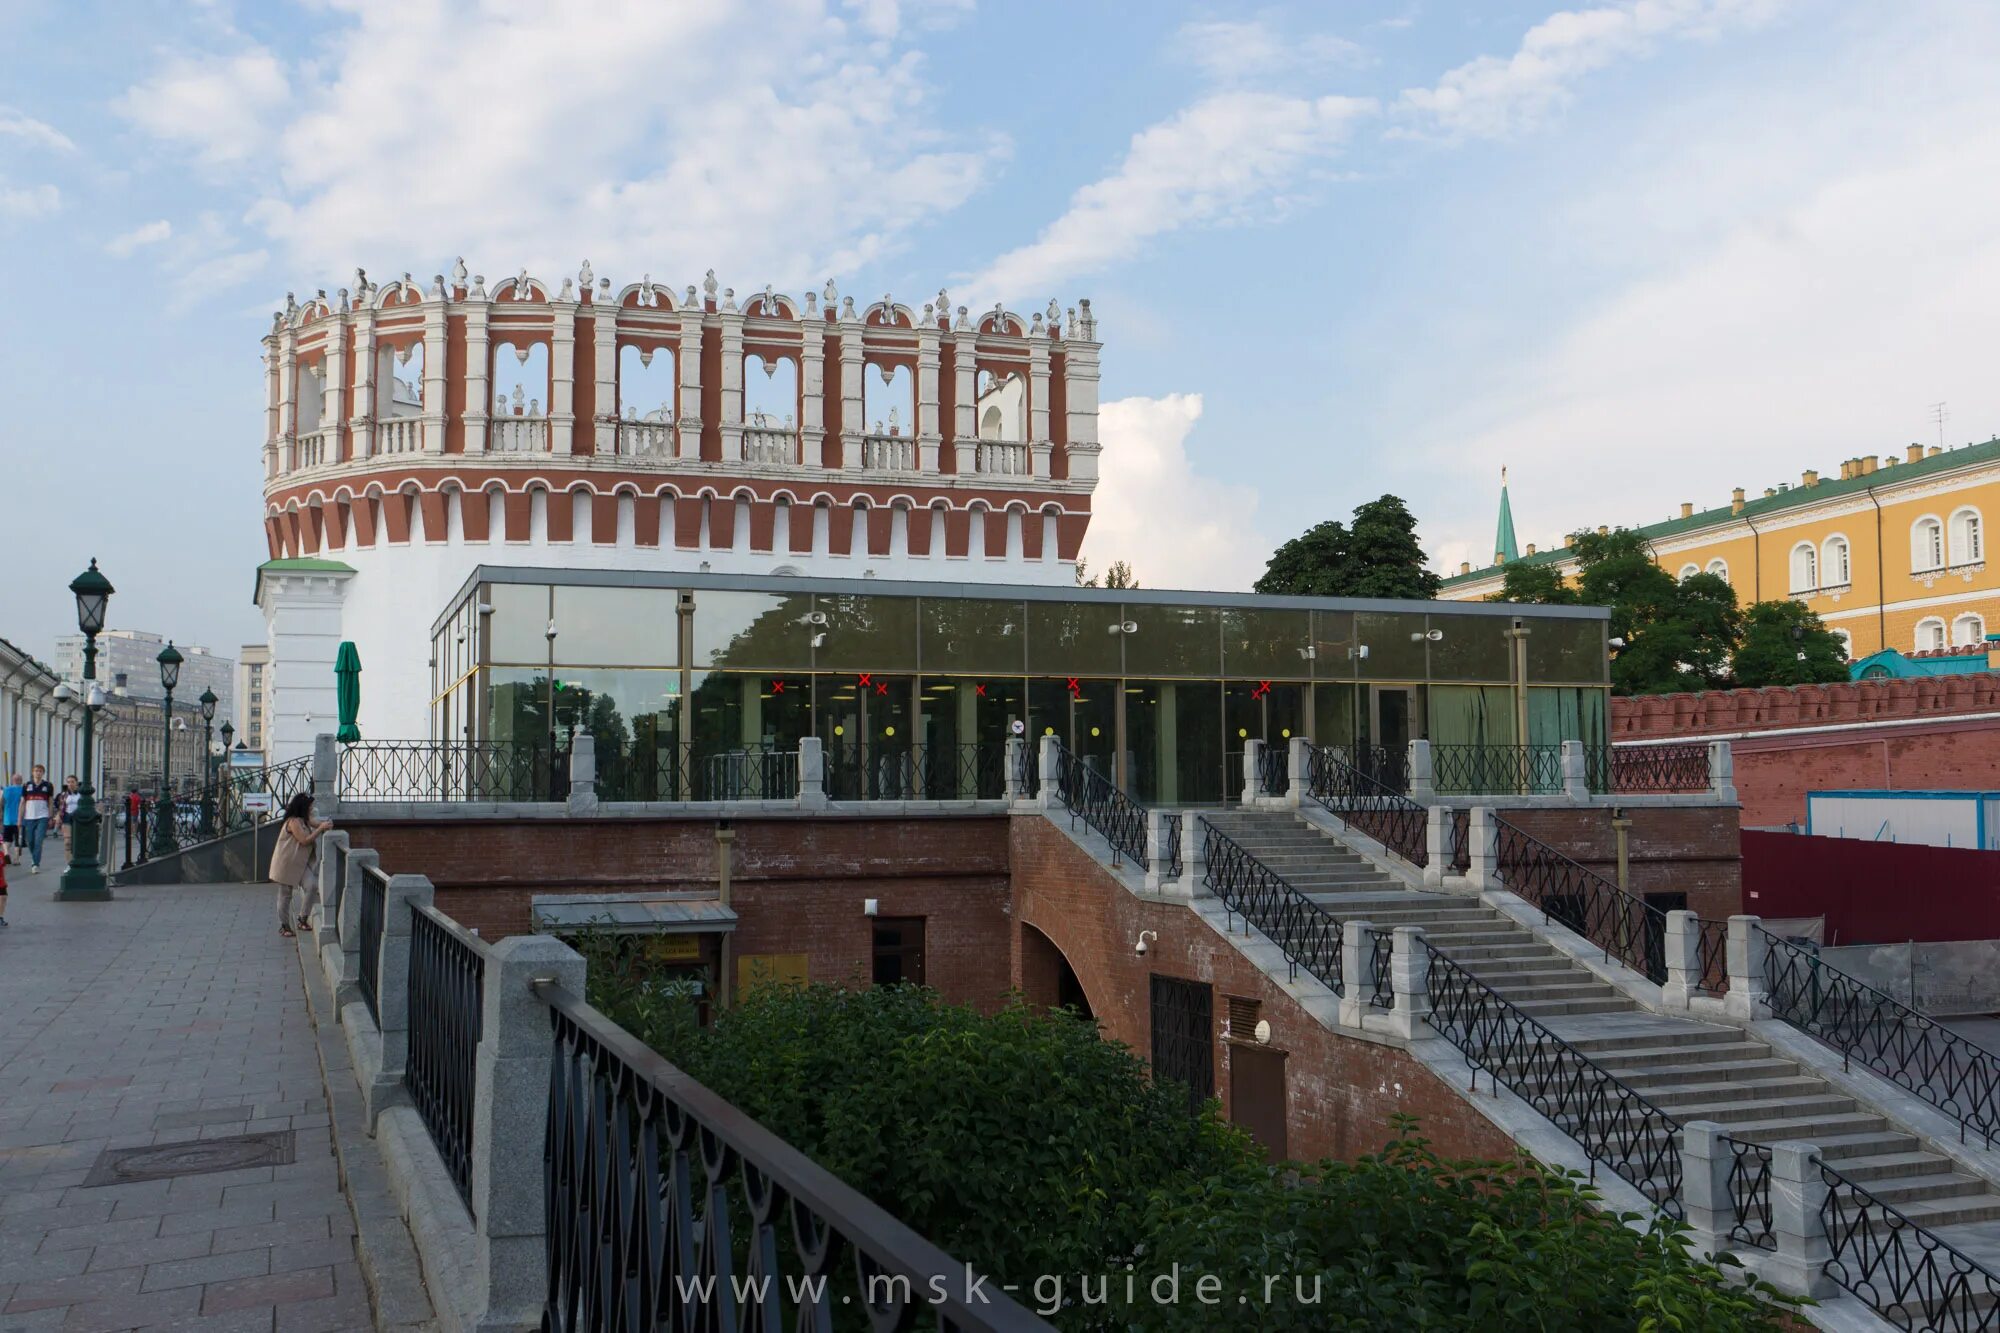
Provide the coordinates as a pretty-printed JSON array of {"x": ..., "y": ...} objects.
[
  {"x": 1881, "y": 591},
  {"x": 1756, "y": 560}
]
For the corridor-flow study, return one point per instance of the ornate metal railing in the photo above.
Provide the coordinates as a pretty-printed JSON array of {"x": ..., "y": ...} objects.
[
  {"x": 447, "y": 989},
  {"x": 1176, "y": 830},
  {"x": 1637, "y": 769},
  {"x": 752, "y": 773},
  {"x": 1907, "y": 1273},
  {"x": 870, "y": 771},
  {"x": 330, "y": 909},
  {"x": 1027, "y": 769},
  {"x": 1381, "y": 981},
  {"x": 1386, "y": 765},
  {"x": 1461, "y": 841},
  {"x": 1307, "y": 934},
  {"x": 1092, "y": 797},
  {"x": 1526, "y": 770},
  {"x": 1881, "y": 1033},
  {"x": 1624, "y": 927},
  {"x": 1274, "y": 769},
  {"x": 374, "y": 914},
  {"x": 1750, "y": 1194},
  {"x": 1368, "y": 806},
  {"x": 667, "y": 1207},
  {"x": 1614, "y": 1124},
  {"x": 449, "y": 771},
  {"x": 211, "y": 811}
]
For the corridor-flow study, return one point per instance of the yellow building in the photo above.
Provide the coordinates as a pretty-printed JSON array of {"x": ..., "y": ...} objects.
[{"x": 1891, "y": 554}]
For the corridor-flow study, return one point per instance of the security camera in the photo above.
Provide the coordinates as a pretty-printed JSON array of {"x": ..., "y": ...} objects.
[
  {"x": 63, "y": 692},
  {"x": 1130, "y": 627},
  {"x": 1435, "y": 636},
  {"x": 815, "y": 617},
  {"x": 1616, "y": 642},
  {"x": 486, "y": 608},
  {"x": 1144, "y": 935}
]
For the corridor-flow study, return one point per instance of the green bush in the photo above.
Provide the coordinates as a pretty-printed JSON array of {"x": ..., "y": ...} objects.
[{"x": 1024, "y": 1144}]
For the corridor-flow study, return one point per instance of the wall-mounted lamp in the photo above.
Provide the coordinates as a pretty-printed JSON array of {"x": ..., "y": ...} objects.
[
  {"x": 1359, "y": 652},
  {"x": 819, "y": 640},
  {"x": 871, "y": 906},
  {"x": 1310, "y": 652},
  {"x": 1140, "y": 946},
  {"x": 1124, "y": 627},
  {"x": 815, "y": 617},
  {"x": 1262, "y": 1032},
  {"x": 1616, "y": 642}
]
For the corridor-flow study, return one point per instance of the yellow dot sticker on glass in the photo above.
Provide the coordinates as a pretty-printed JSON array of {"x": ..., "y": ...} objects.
[
  {"x": 839, "y": 730},
  {"x": 888, "y": 731},
  {"x": 1048, "y": 731},
  {"x": 1286, "y": 733},
  {"x": 1093, "y": 731},
  {"x": 1241, "y": 732}
]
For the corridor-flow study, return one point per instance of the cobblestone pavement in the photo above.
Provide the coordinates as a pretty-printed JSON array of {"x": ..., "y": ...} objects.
[{"x": 173, "y": 1015}]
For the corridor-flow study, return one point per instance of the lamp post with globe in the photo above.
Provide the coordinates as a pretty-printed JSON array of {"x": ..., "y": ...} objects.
[{"x": 165, "y": 843}]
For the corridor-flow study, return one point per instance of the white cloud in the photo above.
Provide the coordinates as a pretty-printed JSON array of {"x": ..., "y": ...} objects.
[
  {"x": 1807, "y": 334},
  {"x": 1251, "y": 50},
  {"x": 22, "y": 202},
  {"x": 1175, "y": 527},
  {"x": 1222, "y": 159},
  {"x": 224, "y": 107},
  {"x": 781, "y": 133},
  {"x": 19, "y": 125},
  {"x": 125, "y": 245},
  {"x": 1493, "y": 96}
]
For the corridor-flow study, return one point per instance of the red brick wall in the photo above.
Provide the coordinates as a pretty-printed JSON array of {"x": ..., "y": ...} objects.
[
  {"x": 1672, "y": 716},
  {"x": 798, "y": 885},
  {"x": 1774, "y": 772},
  {"x": 1340, "y": 1091},
  {"x": 1694, "y": 850}
]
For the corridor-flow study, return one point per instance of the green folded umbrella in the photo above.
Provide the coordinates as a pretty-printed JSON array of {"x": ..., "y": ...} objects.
[{"x": 347, "y": 687}]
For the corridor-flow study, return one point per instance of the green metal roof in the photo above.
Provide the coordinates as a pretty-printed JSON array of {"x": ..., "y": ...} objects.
[
  {"x": 1825, "y": 489},
  {"x": 1503, "y": 538},
  {"x": 300, "y": 565}
]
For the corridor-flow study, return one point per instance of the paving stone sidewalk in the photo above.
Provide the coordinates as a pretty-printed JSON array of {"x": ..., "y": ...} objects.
[{"x": 172, "y": 1015}]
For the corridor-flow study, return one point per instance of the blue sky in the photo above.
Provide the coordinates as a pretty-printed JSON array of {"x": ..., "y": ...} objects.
[{"x": 1638, "y": 252}]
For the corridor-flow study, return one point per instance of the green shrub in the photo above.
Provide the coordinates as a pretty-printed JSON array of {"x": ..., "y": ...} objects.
[{"x": 1023, "y": 1143}]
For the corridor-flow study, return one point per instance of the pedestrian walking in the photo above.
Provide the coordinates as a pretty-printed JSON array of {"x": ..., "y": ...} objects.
[
  {"x": 293, "y": 862},
  {"x": 38, "y": 800},
  {"x": 3, "y": 893},
  {"x": 10, "y": 819}
]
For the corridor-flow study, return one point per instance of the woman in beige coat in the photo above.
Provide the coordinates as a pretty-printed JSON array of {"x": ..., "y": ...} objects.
[{"x": 292, "y": 862}]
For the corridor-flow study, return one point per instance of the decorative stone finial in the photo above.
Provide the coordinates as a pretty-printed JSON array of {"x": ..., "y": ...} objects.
[
  {"x": 847, "y": 307},
  {"x": 964, "y": 318},
  {"x": 1055, "y": 313},
  {"x": 770, "y": 306},
  {"x": 342, "y": 306},
  {"x": 320, "y": 296},
  {"x": 437, "y": 285},
  {"x": 812, "y": 304},
  {"x": 518, "y": 397},
  {"x": 458, "y": 272},
  {"x": 648, "y": 296},
  {"x": 360, "y": 282},
  {"x": 831, "y": 294},
  {"x": 943, "y": 305},
  {"x": 1087, "y": 322},
  {"x": 709, "y": 284},
  {"x": 584, "y": 280},
  {"x": 1070, "y": 323},
  {"x": 999, "y": 318},
  {"x": 565, "y": 294},
  {"x": 604, "y": 289},
  {"x": 521, "y": 285},
  {"x": 479, "y": 286},
  {"x": 692, "y": 303},
  {"x": 930, "y": 314},
  {"x": 729, "y": 298}
]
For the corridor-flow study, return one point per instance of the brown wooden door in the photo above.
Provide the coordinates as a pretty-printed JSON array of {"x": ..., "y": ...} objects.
[{"x": 1257, "y": 1095}]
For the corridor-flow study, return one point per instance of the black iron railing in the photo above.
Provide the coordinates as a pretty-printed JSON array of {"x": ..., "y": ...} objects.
[
  {"x": 1368, "y": 806},
  {"x": 1907, "y": 1273},
  {"x": 1092, "y": 797},
  {"x": 885, "y": 771},
  {"x": 216, "y": 809},
  {"x": 1176, "y": 830},
  {"x": 1461, "y": 841},
  {"x": 667, "y": 1207},
  {"x": 1637, "y": 769},
  {"x": 374, "y": 916},
  {"x": 1750, "y": 1194},
  {"x": 1525, "y": 770},
  {"x": 1625, "y": 927},
  {"x": 1381, "y": 979},
  {"x": 1881, "y": 1033},
  {"x": 1274, "y": 768},
  {"x": 450, "y": 772},
  {"x": 447, "y": 990},
  {"x": 1027, "y": 769},
  {"x": 751, "y": 773},
  {"x": 330, "y": 909},
  {"x": 1307, "y": 934},
  {"x": 1387, "y": 765},
  {"x": 1614, "y": 1124}
]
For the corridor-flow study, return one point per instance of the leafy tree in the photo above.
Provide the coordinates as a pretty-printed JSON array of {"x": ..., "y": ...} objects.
[
  {"x": 1375, "y": 555},
  {"x": 1028, "y": 1147},
  {"x": 1120, "y": 575},
  {"x": 1542, "y": 585},
  {"x": 1785, "y": 643}
]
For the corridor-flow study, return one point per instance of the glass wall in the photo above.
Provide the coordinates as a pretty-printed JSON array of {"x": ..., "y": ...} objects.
[{"x": 916, "y": 694}]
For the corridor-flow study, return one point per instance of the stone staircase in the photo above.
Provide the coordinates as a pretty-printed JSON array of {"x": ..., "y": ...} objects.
[{"x": 1688, "y": 1069}]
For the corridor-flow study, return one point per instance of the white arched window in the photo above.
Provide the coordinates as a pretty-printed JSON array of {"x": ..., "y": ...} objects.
[
  {"x": 1688, "y": 572},
  {"x": 1968, "y": 631},
  {"x": 1926, "y": 544},
  {"x": 1834, "y": 563},
  {"x": 1968, "y": 543},
  {"x": 1930, "y": 635},
  {"x": 1846, "y": 643},
  {"x": 1805, "y": 567},
  {"x": 1719, "y": 568}
]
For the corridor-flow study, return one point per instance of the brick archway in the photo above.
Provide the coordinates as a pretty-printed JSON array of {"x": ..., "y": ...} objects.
[{"x": 1047, "y": 979}]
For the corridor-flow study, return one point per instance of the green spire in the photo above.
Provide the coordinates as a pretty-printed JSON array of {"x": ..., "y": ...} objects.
[{"x": 1503, "y": 540}]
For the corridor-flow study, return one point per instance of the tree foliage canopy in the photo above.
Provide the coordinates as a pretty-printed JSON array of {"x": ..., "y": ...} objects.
[
  {"x": 1376, "y": 555},
  {"x": 1024, "y": 1144}
]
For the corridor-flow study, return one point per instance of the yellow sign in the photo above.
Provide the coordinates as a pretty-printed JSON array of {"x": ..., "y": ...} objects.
[
  {"x": 759, "y": 969},
  {"x": 674, "y": 948}
]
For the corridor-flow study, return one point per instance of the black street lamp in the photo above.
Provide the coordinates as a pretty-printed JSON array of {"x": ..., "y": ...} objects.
[
  {"x": 208, "y": 702},
  {"x": 164, "y": 841},
  {"x": 84, "y": 880}
]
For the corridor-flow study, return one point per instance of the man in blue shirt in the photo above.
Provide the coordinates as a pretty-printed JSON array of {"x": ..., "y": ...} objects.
[{"x": 10, "y": 819}]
